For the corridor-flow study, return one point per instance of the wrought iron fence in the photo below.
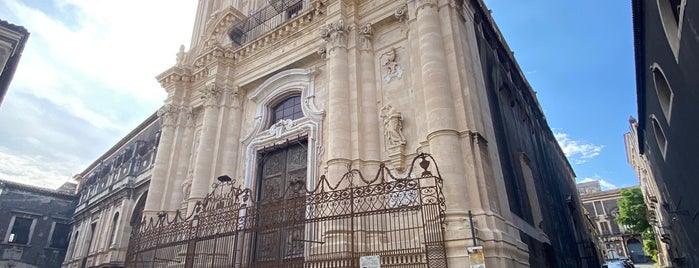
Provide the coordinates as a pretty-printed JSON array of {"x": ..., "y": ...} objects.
[
  {"x": 265, "y": 19},
  {"x": 330, "y": 225}
]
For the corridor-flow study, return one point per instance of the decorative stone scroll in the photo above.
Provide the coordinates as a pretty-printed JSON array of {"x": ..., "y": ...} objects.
[{"x": 401, "y": 13}]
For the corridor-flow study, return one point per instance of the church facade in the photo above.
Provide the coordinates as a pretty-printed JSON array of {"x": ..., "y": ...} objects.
[{"x": 273, "y": 94}]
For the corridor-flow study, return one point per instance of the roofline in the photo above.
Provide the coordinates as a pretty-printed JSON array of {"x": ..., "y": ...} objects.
[
  {"x": 33, "y": 188},
  {"x": 150, "y": 120},
  {"x": 639, "y": 52}
]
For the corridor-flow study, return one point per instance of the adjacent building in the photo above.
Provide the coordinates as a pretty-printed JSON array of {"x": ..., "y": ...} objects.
[
  {"x": 112, "y": 192},
  {"x": 616, "y": 242},
  {"x": 286, "y": 102},
  {"x": 12, "y": 41},
  {"x": 34, "y": 224},
  {"x": 667, "y": 53}
]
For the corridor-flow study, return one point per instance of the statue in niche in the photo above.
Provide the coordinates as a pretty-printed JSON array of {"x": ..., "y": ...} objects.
[
  {"x": 388, "y": 60},
  {"x": 393, "y": 126}
]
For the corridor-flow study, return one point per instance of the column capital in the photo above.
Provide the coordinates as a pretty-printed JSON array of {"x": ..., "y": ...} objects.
[
  {"x": 420, "y": 4},
  {"x": 169, "y": 114},
  {"x": 365, "y": 34},
  {"x": 186, "y": 116},
  {"x": 335, "y": 34},
  {"x": 211, "y": 94},
  {"x": 234, "y": 97}
]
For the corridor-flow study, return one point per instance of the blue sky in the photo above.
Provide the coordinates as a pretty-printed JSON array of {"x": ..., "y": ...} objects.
[
  {"x": 87, "y": 78},
  {"x": 578, "y": 57}
]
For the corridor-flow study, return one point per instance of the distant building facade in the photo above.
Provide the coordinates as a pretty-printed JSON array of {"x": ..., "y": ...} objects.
[
  {"x": 34, "y": 224},
  {"x": 12, "y": 41},
  {"x": 616, "y": 242},
  {"x": 667, "y": 57},
  {"x": 273, "y": 96},
  {"x": 112, "y": 193}
]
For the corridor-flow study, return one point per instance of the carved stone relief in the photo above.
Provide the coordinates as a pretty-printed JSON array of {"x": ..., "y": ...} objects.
[
  {"x": 169, "y": 114},
  {"x": 390, "y": 66},
  {"x": 393, "y": 136}
]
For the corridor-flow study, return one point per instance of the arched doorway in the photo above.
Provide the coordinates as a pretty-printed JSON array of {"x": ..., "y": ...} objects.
[{"x": 635, "y": 248}]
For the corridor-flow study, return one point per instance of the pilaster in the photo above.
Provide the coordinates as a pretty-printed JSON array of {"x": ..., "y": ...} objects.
[
  {"x": 339, "y": 139},
  {"x": 369, "y": 130}
]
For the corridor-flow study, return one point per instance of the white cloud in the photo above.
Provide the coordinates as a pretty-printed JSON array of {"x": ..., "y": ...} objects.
[
  {"x": 603, "y": 183},
  {"x": 86, "y": 78},
  {"x": 577, "y": 151}
]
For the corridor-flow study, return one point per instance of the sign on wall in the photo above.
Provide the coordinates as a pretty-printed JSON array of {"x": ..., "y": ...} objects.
[
  {"x": 373, "y": 261},
  {"x": 476, "y": 257}
]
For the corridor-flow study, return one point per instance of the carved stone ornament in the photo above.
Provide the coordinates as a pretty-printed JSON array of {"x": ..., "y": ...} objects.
[
  {"x": 322, "y": 51},
  {"x": 390, "y": 66},
  {"x": 187, "y": 186},
  {"x": 420, "y": 4},
  {"x": 365, "y": 33},
  {"x": 179, "y": 61},
  {"x": 401, "y": 13},
  {"x": 335, "y": 34},
  {"x": 393, "y": 126},
  {"x": 280, "y": 127},
  {"x": 186, "y": 116},
  {"x": 169, "y": 114},
  {"x": 211, "y": 94},
  {"x": 235, "y": 97}
]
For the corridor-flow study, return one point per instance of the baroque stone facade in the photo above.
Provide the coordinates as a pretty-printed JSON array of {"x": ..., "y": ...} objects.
[
  {"x": 111, "y": 196},
  {"x": 363, "y": 83}
]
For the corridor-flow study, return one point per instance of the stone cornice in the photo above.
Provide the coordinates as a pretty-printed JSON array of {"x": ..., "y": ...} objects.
[{"x": 175, "y": 74}]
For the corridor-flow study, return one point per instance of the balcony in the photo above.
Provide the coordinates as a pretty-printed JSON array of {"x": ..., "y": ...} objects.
[{"x": 266, "y": 19}]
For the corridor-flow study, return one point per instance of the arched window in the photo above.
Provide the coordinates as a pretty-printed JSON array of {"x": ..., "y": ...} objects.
[
  {"x": 663, "y": 90},
  {"x": 290, "y": 108},
  {"x": 671, "y": 15},
  {"x": 115, "y": 224},
  {"x": 659, "y": 135}
]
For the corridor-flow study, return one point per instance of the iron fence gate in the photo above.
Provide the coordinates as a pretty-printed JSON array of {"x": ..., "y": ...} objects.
[{"x": 331, "y": 225}]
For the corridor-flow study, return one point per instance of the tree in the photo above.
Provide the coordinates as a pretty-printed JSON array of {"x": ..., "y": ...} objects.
[{"x": 632, "y": 214}]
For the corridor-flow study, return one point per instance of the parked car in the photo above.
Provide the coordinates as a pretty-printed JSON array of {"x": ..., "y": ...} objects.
[
  {"x": 628, "y": 262},
  {"x": 614, "y": 264}
]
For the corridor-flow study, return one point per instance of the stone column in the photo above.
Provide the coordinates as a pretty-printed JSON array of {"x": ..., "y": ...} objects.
[
  {"x": 233, "y": 103},
  {"x": 339, "y": 128},
  {"x": 204, "y": 162},
  {"x": 186, "y": 125},
  {"x": 369, "y": 113},
  {"x": 442, "y": 134},
  {"x": 168, "y": 113}
]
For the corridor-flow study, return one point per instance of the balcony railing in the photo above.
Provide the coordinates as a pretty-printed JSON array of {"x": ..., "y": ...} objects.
[{"x": 266, "y": 19}]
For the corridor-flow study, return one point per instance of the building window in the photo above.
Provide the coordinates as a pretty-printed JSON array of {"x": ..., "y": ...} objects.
[
  {"x": 290, "y": 108},
  {"x": 59, "y": 236},
  {"x": 20, "y": 231},
  {"x": 659, "y": 135},
  {"x": 294, "y": 10},
  {"x": 115, "y": 224},
  {"x": 599, "y": 210},
  {"x": 671, "y": 15},
  {"x": 663, "y": 90}
]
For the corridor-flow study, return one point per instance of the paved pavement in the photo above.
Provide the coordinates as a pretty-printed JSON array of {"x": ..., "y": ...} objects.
[{"x": 645, "y": 265}]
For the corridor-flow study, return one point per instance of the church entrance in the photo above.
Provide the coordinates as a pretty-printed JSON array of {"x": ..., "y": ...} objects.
[{"x": 288, "y": 221}]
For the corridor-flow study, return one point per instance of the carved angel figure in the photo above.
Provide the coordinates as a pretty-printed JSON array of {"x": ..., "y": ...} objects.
[
  {"x": 393, "y": 126},
  {"x": 388, "y": 60}
]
